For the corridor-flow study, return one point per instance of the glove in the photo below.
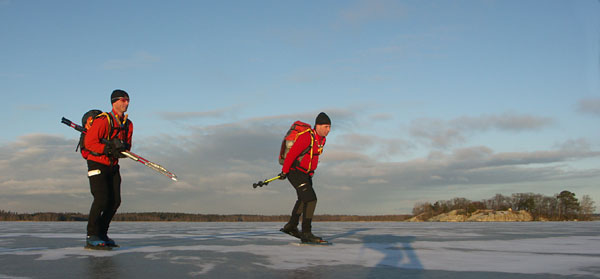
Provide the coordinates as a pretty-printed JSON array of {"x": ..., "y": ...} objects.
[
  {"x": 282, "y": 175},
  {"x": 114, "y": 147}
]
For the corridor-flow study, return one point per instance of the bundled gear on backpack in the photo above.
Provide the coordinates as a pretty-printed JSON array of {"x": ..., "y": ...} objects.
[
  {"x": 113, "y": 145},
  {"x": 301, "y": 141},
  {"x": 297, "y": 129}
]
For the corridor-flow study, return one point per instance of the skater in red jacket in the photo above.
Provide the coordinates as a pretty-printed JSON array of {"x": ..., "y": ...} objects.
[
  {"x": 298, "y": 167},
  {"x": 109, "y": 135}
]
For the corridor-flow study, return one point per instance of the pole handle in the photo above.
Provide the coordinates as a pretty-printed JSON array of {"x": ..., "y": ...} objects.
[{"x": 265, "y": 182}]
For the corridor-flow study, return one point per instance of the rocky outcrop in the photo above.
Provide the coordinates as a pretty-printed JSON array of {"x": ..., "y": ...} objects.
[
  {"x": 477, "y": 216},
  {"x": 500, "y": 216},
  {"x": 452, "y": 216},
  {"x": 419, "y": 218}
]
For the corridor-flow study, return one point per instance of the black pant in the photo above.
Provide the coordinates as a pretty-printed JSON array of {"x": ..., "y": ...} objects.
[
  {"x": 105, "y": 184},
  {"x": 306, "y": 199}
]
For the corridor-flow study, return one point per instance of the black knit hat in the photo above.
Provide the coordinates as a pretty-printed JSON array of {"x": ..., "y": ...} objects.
[
  {"x": 118, "y": 94},
  {"x": 322, "y": 119}
]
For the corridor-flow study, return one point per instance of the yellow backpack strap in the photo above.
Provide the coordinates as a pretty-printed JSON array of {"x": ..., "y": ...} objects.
[
  {"x": 312, "y": 141},
  {"x": 109, "y": 119},
  {"x": 310, "y": 146},
  {"x": 121, "y": 123},
  {"x": 300, "y": 133}
]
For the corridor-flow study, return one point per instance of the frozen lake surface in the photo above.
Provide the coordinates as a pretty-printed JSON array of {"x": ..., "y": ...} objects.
[{"x": 259, "y": 250}]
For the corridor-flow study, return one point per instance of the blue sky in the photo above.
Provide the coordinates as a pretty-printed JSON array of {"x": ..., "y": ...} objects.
[{"x": 429, "y": 100}]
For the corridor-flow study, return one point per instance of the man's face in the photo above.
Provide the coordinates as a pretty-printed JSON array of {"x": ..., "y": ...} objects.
[
  {"x": 121, "y": 105},
  {"x": 322, "y": 129}
]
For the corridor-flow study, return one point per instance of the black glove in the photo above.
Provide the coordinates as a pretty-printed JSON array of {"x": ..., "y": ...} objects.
[
  {"x": 114, "y": 147},
  {"x": 282, "y": 175}
]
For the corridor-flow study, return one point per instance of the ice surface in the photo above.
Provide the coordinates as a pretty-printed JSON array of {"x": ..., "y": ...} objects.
[{"x": 259, "y": 250}]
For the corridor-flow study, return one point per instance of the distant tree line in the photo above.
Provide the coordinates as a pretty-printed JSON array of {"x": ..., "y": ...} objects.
[
  {"x": 188, "y": 217},
  {"x": 560, "y": 207},
  {"x": 41, "y": 216}
]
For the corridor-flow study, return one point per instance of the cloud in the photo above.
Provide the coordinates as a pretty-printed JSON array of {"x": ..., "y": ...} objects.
[
  {"x": 589, "y": 106},
  {"x": 381, "y": 117},
  {"x": 382, "y": 148},
  {"x": 443, "y": 134},
  {"x": 39, "y": 165},
  {"x": 217, "y": 165},
  {"x": 436, "y": 132},
  {"x": 140, "y": 59},
  {"x": 466, "y": 166},
  {"x": 505, "y": 122}
]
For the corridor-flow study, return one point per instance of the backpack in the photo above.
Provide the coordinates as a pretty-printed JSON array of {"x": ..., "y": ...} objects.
[
  {"x": 297, "y": 129},
  {"x": 86, "y": 121}
]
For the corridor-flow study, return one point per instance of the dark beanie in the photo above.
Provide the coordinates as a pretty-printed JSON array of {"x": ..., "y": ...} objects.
[
  {"x": 322, "y": 118},
  {"x": 118, "y": 94}
]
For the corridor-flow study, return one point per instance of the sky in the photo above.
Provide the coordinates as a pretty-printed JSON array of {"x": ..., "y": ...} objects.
[{"x": 429, "y": 100}]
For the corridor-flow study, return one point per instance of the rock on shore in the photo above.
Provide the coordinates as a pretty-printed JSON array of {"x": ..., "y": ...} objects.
[{"x": 477, "y": 216}]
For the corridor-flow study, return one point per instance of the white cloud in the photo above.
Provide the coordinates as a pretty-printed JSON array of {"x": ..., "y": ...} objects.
[
  {"x": 589, "y": 106},
  {"x": 218, "y": 164},
  {"x": 508, "y": 122},
  {"x": 444, "y": 134}
]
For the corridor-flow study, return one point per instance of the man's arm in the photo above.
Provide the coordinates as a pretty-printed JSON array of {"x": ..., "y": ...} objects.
[
  {"x": 300, "y": 145},
  {"x": 129, "y": 138},
  {"x": 95, "y": 134}
]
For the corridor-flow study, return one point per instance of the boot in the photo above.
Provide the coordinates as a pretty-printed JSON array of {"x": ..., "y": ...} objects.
[
  {"x": 308, "y": 237},
  {"x": 291, "y": 230},
  {"x": 291, "y": 227},
  {"x": 109, "y": 242},
  {"x": 94, "y": 241}
]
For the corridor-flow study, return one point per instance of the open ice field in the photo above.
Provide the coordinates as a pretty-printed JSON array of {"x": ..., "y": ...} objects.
[{"x": 259, "y": 250}]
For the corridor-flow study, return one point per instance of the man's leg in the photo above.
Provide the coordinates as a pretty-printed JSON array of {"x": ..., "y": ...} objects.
[
  {"x": 302, "y": 182},
  {"x": 296, "y": 212},
  {"x": 114, "y": 201},
  {"x": 307, "y": 215},
  {"x": 98, "y": 176},
  {"x": 291, "y": 227}
]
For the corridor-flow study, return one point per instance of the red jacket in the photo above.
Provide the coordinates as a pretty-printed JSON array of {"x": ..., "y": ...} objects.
[
  {"x": 99, "y": 131},
  {"x": 306, "y": 165}
]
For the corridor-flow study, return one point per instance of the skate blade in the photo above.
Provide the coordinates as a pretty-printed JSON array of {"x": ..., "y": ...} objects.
[
  {"x": 97, "y": 248},
  {"x": 324, "y": 243},
  {"x": 296, "y": 236}
]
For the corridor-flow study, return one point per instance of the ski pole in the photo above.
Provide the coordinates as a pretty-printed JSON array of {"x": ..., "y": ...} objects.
[
  {"x": 265, "y": 182},
  {"x": 150, "y": 164},
  {"x": 73, "y": 125},
  {"x": 160, "y": 169}
]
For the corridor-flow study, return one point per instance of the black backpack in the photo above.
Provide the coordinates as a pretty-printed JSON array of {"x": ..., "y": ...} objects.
[{"x": 86, "y": 121}]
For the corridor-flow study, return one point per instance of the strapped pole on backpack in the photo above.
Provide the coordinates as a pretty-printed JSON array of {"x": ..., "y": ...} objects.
[
  {"x": 265, "y": 182},
  {"x": 128, "y": 154},
  {"x": 72, "y": 125}
]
